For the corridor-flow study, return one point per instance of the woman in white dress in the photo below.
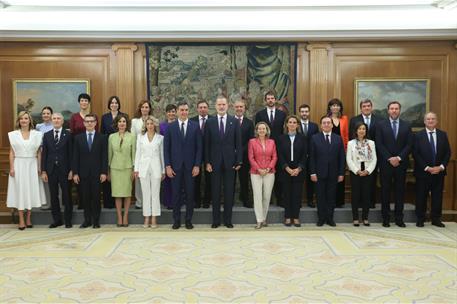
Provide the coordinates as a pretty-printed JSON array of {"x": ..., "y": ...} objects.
[
  {"x": 150, "y": 169},
  {"x": 25, "y": 188},
  {"x": 144, "y": 110},
  {"x": 44, "y": 127}
]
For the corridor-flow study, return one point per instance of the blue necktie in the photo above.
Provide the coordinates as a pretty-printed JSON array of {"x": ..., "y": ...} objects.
[
  {"x": 432, "y": 144},
  {"x": 221, "y": 127},
  {"x": 182, "y": 131},
  {"x": 394, "y": 128},
  {"x": 89, "y": 141}
]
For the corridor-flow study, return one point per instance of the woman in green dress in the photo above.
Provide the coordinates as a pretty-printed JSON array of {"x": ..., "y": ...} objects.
[{"x": 121, "y": 159}]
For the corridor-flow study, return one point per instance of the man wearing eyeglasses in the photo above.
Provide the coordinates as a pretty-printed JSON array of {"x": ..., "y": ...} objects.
[{"x": 90, "y": 168}]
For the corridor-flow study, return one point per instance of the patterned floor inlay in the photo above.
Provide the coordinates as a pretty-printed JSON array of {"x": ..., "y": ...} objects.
[{"x": 273, "y": 265}]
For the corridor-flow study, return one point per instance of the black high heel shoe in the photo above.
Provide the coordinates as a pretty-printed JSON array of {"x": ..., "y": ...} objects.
[
  {"x": 21, "y": 228},
  {"x": 29, "y": 226}
]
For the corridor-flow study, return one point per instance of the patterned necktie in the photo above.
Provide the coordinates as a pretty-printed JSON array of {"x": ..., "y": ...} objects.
[
  {"x": 221, "y": 127},
  {"x": 432, "y": 144},
  {"x": 182, "y": 130},
  {"x": 56, "y": 137},
  {"x": 394, "y": 128},
  {"x": 89, "y": 141}
]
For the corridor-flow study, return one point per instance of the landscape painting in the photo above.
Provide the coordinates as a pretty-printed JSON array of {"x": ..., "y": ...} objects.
[
  {"x": 413, "y": 95},
  {"x": 60, "y": 94},
  {"x": 194, "y": 72}
]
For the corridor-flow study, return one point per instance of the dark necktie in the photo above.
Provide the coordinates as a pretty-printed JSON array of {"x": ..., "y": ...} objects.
[
  {"x": 367, "y": 121},
  {"x": 327, "y": 139},
  {"x": 305, "y": 128},
  {"x": 221, "y": 127},
  {"x": 394, "y": 128},
  {"x": 271, "y": 117},
  {"x": 89, "y": 141},
  {"x": 56, "y": 137},
  {"x": 240, "y": 121},
  {"x": 202, "y": 128},
  {"x": 182, "y": 130},
  {"x": 432, "y": 144}
]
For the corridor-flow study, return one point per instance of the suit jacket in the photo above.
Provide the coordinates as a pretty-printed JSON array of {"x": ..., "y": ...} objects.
[
  {"x": 226, "y": 151},
  {"x": 107, "y": 124},
  {"x": 327, "y": 161},
  {"x": 182, "y": 152},
  {"x": 149, "y": 156},
  {"x": 277, "y": 128},
  {"x": 121, "y": 157},
  {"x": 344, "y": 130},
  {"x": 60, "y": 153},
  {"x": 247, "y": 132},
  {"x": 374, "y": 120},
  {"x": 387, "y": 146},
  {"x": 300, "y": 147},
  {"x": 422, "y": 152},
  {"x": 197, "y": 120},
  {"x": 91, "y": 163},
  {"x": 312, "y": 129}
]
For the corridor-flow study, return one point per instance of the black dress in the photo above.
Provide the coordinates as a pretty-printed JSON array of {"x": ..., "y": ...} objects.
[{"x": 340, "y": 186}]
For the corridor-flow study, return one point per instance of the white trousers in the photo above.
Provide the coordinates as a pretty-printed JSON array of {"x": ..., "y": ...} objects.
[
  {"x": 138, "y": 193},
  {"x": 150, "y": 188},
  {"x": 261, "y": 189}
]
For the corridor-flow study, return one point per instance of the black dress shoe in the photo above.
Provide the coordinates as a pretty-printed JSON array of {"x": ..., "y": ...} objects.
[
  {"x": 438, "y": 224},
  {"x": 386, "y": 224},
  {"x": 420, "y": 224},
  {"x": 96, "y": 226},
  {"x": 68, "y": 226},
  {"x": 55, "y": 225},
  {"x": 136, "y": 207},
  {"x": 339, "y": 205},
  {"x": 320, "y": 223},
  {"x": 400, "y": 224},
  {"x": 288, "y": 224},
  {"x": 176, "y": 226},
  {"x": 189, "y": 225},
  {"x": 331, "y": 223},
  {"x": 311, "y": 205},
  {"x": 215, "y": 226},
  {"x": 297, "y": 225},
  {"x": 84, "y": 225},
  {"x": 206, "y": 205},
  {"x": 29, "y": 226},
  {"x": 229, "y": 225}
]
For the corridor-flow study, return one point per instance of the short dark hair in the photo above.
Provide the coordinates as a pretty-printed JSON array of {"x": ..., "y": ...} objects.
[
  {"x": 357, "y": 126},
  {"x": 325, "y": 116},
  {"x": 367, "y": 100},
  {"x": 393, "y": 102},
  {"x": 47, "y": 108},
  {"x": 90, "y": 115},
  {"x": 334, "y": 101},
  {"x": 118, "y": 102},
  {"x": 118, "y": 118},
  {"x": 83, "y": 96},
  {"x": 269, "y": 92},
  {"x": 304, "y": 106},
  {"x": 202, "y": 101},
  {"x": 170, "y": 107},
  {"x": 181, "y": 103}
]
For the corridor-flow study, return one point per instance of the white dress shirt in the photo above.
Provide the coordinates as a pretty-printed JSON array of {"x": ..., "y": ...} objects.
[{"x": 185, "y": 125}]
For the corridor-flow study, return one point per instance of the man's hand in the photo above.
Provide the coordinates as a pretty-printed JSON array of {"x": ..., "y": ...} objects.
[
  {"x": 103, "y": 178},
  {"x": 195, "y": 171},
  {"x": 314, "y": 178},
  {"x": 76, "y": 179},
  {"x": 237, "y": 167},
  {"x": 340, "y": 178},
  {"x": 44, "y": 177},
  {"x": 70, "y": 175},
  {"x": 209, "y": 168},
  {"x": 170, "y": 172},
  {"x": 394, "y": 161}
]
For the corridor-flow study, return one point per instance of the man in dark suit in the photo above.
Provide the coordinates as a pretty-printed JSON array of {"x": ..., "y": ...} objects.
[
  {"x": 431, "y": 154},
  {"x": 205, "y": 198},
  {"x": 247, "y": 132},
  {"x": 90, "y": 168},
  {"x": 183, "y": 157},
  {"x": 308, "y": 129},
  {"x": 394, "y": 141},
  {"x": 326, "y": 167},
  {"x": 275, "y": 120},
  {"x": 367, "y": 116},
  {"x": 223, "y": 157},
  {"x": 56, "y": 169}
]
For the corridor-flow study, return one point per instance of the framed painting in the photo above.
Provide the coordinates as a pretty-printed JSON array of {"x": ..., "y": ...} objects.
[
  {"x": 60, "y": 94},
  {"x": 193, "y": 72},
  {"x": 413, "y": 95}
]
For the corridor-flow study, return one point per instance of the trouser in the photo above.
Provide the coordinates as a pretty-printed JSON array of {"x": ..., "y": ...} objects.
[
  {"x": 433, "y": 184},
  {"x": 326, "y": 197},
  {"x": 150, "y": 187},
  {"x": 206, "y": 197},
  {"x": 292, "y": 190},
  {"x": 138, "y": 193},
  {"x": 55, "y": 180},
  {"x": 90, "y": 192},
  {"x": 361, "y": 195},
  {"x": 228, "y": 177},
  {"x": 262, "y": 187},
  {"x": 183, "y": 180},
  {"x": 108, "y": 200},
  {"x": 398, "y": 176},
  {"x": 243, "y": 177}
]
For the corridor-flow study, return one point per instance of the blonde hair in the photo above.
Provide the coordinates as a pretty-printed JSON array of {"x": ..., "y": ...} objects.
[
  {"x": 266, "y": 126},
  {"x": 19, "y": 116},
  {"x": 154, "y": 120}
]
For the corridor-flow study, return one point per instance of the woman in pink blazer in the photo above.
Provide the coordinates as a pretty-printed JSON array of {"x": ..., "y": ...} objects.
[{"x": 262, "y": 157}]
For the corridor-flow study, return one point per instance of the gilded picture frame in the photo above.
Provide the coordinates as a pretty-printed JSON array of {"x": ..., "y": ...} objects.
[
  {"x": 32, "y": 94},
  {"x": 412, "y": 93}
]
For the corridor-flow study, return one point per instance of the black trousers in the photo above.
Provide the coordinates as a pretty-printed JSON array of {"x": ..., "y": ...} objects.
[
  {"x": 326, "y": 197},
  {"x": 373, "y": 186},
  {"x": 277, "y": 187},
  {"x": 435, "y": 185},
  {"x": 340, "y": 188},
  {"x": 90, "y": 191},
  {"x": 183, "y": 180},
  {"x": 223, "y": 178},
  {"x": 397, "y": 176},
  {"x": 206, "y": 197},
  {"x": 108, "y": 200},
  {"x": 244, "y": 179},
  {"x": 56, "y": 179},
  {"x": 292, "y": 190},
  {"x": 361, "y": 189}
]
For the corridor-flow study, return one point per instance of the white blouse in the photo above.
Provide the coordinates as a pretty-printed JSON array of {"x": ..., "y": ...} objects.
[{"x": 358, "y": 152}]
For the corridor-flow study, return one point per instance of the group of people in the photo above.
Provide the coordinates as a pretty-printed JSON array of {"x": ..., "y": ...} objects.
[{"x": 169, "y": 161}]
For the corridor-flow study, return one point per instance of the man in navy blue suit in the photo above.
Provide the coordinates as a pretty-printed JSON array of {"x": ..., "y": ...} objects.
[
  {"x": 308, "y": 129},
  {"x": 326, "y": 167},
  {"x": 56, "y": 169},
  {"x": 183, "y": 157},
  {"x": 394, "y": 141},
  {"x": 223, "y": 157},
  {"x": 431, "y": 154}
]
